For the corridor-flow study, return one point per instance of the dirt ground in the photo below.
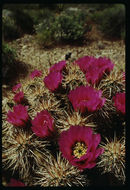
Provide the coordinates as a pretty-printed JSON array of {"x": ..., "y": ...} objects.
[{"x": 31, "y": 53}]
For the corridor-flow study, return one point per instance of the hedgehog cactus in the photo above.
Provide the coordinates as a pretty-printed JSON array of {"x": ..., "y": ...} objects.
[
  {"x": 113, "y": 158},
  {"x": 59, "y": 172},
  {"x": 20, "y": 152},
  {"x": 56, "y": 122},
  {"x": 73, "y": 77},
  {"x": 113, "y": 83},
  {"x": 74, "y": 118}
]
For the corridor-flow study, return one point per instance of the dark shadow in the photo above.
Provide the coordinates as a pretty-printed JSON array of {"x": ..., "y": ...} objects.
[{"x": 12, "y": 72}]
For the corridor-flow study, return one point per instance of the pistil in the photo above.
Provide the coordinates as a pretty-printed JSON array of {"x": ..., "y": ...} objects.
[{"x": 79, "y": 149}]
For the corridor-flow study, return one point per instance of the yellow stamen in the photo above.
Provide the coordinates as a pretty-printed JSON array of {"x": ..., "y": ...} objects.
[{"x": 79, "y": 149}]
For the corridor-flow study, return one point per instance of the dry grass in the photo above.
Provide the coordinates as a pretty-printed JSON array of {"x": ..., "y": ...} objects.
[{"x": 29, "y": 52}]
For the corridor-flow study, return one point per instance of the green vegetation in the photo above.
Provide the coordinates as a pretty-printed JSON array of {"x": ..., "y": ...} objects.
[
  {"x": 15, "y": 24},
  {"x": 56, "y": 23},
  {"x": 8, "y": 54},
  {"x": 71, "y": 27},
  {"x": 10, "y": 30},
  {"x": 68, "y": 26},
  {"x": 111, "y": 21},
  {"x": 23, "y": 21}
]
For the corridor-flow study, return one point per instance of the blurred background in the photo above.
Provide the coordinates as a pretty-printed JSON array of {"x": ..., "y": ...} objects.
[
  {"x": 48, "y": 26},
  {"x": 62, "y": 22}
]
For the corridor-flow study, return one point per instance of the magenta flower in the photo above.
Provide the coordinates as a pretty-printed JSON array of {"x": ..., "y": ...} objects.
[
  {"x": 104, "y": 64},
  {"x": 53, "y": 80},
  {"x": 96, "y": 70},
  {"x": 19, "y": 117},
  {"x": 18, "y": 98},
  {"x": 35, "y": 73},
  {"x": 16, "y": 87},
  {"x": 85, "y": 62},
  {"x": 43, "y": 124},
  {"x": 79, "y": 146},
  {"x": 86, "y": 98},
  {"x": 119, "y": 102},
  {"x": 15, "y": 183},
  {"x": 58, "y": 66},
  {"x": 94, "y": 75}
]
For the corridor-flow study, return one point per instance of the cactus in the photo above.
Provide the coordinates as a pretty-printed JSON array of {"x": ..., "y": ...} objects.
[
  {"x": 58, "y": 172},
  {"x": 21, "y": 152},
  {"x": 113, "y": 158},
  {"x": 60, "y": 129}
]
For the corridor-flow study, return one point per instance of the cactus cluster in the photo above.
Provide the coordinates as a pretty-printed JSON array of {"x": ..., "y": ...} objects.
[{"x": 63, "y": 122}]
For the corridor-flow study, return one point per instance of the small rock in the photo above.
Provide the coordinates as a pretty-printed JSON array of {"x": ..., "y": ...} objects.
[{"x": 101, "y": 45}]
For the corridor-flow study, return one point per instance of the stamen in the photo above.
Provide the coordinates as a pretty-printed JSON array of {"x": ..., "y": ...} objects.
[{"x": 79, "y": 149}]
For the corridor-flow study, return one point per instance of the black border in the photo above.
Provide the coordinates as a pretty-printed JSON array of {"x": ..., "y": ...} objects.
[{"x": 126, "y": 3}]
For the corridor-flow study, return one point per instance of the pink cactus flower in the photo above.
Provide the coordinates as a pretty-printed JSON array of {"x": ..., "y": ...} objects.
[
  {"x": 86, "y": 98},
  {"x": 79, "y": 145},
  {"x": 35, "y": 73},
  {"x": 119, "y": 102},
  {"x": 18, "y": 98},
  {"x": 16, "y": 87},
  {"x": 58, "y": 66},
  {"x": 15, "y": 183},
  {"x": 96, "y": 70},
  {"x": 53, "y": 80},
  {"x": 43, "y": 124},
  {"x": 19, "y": 117},
  {"x": 105, "y": 64},
  {"x": 94, "y": 75},
  {"x": 85, "y": 62}
]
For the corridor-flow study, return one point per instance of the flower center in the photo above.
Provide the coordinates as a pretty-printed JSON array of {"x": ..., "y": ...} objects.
[{"x": 79, "y": 149}]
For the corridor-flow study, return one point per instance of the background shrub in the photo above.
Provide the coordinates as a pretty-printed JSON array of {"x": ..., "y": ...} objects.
[
  {"x": 23, "y": 21},
  {"x": 15, "y": 23},
  {"x": 71, "y": 25},
  {"x": 111, "y": 21},
  {"x": 9, "y": 28},
  {"x": 63, "y": 22},
  {"x": 67, "y": 26},
  {"x": 45, "y": 38},
  {"x": 8, "y": 54},
  {"x": 45, "y": 29}
]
